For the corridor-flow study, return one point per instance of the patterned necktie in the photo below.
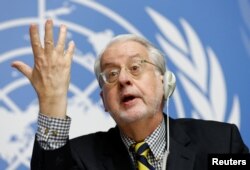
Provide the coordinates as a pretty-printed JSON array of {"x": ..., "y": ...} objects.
[{"x": 141, "y": 151}]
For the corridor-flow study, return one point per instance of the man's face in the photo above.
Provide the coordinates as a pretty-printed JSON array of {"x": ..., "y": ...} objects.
[{"x": 131, "y": 98}]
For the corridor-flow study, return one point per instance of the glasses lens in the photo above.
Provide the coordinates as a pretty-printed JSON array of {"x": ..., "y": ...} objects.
[
  {"x": 111, "y": 75},
  {"x": 136, "y": 68}
]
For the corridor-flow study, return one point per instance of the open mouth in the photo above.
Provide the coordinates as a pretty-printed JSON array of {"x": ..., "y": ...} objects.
[{"x": 128, "y": 98}]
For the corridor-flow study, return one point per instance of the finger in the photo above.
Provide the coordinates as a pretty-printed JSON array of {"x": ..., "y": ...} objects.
[
  {"x": 23, "y": 68},
  {"x": 48, "y": 39},
  {"x": 70, "y": 51},
  {"x": 35, "y": 40},
  {"x": 61, "y": 39}
]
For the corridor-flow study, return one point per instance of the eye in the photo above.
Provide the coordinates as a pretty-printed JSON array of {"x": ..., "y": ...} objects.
[
  {"x": 135, "y": 68},
  {"x": 112, "y": 75}
]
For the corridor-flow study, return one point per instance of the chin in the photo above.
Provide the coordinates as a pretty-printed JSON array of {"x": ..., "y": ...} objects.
[
  {"x": 124, "y": 117},
  {"x": 132, "y": 115}
]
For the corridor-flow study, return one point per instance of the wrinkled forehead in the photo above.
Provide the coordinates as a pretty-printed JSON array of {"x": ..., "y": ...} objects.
[{"x": 122, "y": 52}]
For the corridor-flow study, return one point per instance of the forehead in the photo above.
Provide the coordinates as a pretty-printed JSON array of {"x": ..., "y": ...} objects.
[{"x": 120, "y": 52}]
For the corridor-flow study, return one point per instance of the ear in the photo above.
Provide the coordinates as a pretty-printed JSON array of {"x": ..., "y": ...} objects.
[
  {"x": 162, "y": 78},
  {"x": 101, "y": 95}
]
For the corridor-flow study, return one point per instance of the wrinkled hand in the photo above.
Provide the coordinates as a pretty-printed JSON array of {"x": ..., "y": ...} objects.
[{"x": 50, "y": 75}]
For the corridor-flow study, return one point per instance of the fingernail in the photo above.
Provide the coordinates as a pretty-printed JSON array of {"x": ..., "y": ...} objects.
[
  {"x": 63, "y": 27},
  {"x": 33, "y": 25},
  {"x": 49, "y": 21},
  {"x": 71, "y": 42}
]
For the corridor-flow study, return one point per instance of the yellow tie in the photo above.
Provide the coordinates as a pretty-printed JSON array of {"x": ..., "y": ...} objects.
[{"x": 141, "y": 152}]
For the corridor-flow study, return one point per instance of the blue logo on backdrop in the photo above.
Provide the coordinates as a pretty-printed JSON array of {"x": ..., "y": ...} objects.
[{"x": 204, "y": 89}]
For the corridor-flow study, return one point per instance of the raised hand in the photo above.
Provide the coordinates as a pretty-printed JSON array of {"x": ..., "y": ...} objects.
[{"x": 50, "y": 75}]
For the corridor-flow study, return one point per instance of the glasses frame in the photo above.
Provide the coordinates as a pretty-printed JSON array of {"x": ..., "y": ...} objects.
[{"x": 103, "y": 80}]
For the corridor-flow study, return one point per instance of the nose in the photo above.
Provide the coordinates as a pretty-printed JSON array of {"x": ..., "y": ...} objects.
[{"x": 124, "y": 78}]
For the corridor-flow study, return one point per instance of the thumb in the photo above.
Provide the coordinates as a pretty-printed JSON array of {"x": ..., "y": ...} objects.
[{"x": 23, "y": 68}]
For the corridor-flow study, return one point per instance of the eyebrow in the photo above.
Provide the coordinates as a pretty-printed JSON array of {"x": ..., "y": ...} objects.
[{"x": 109, "y": 64}]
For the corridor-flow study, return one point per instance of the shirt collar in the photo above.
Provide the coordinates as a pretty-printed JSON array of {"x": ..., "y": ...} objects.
[{"x": 155, "y": 140}]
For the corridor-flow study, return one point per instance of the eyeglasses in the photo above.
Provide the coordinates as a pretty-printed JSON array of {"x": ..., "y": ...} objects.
[{"x": 134, "y": 67}]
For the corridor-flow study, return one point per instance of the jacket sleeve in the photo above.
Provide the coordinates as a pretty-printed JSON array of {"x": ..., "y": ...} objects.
[{"x": 58, "y": 159}]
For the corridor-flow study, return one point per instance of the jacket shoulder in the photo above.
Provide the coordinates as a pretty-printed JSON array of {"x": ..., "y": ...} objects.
[
  {"x": 206, "y": 128},
  {"x": 219, "y": 135},
  {"x": 190, "y": 122}
]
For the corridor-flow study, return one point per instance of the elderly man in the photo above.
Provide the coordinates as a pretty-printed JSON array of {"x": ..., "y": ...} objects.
[{"x": 134, "y": 85}]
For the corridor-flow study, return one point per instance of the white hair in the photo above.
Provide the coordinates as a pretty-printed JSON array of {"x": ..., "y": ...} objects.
[{"x": 154, "y": 54}]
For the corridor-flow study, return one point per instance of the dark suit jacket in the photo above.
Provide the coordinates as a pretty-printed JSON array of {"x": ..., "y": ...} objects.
[{"x": 190, "y": 142}]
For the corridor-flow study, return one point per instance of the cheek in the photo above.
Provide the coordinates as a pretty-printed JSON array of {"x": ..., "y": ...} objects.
[
  {"x": 153, "y": 86},
  {"x": 110, "y": 98}
]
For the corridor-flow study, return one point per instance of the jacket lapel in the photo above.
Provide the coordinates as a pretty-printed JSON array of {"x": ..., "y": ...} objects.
[
  {"x": 115, "y": 155},
  {"x": 180, "y": 157}
]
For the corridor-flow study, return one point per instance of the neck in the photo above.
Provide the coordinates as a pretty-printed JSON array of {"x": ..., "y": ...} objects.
[{"x": 141, "y": 129}]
